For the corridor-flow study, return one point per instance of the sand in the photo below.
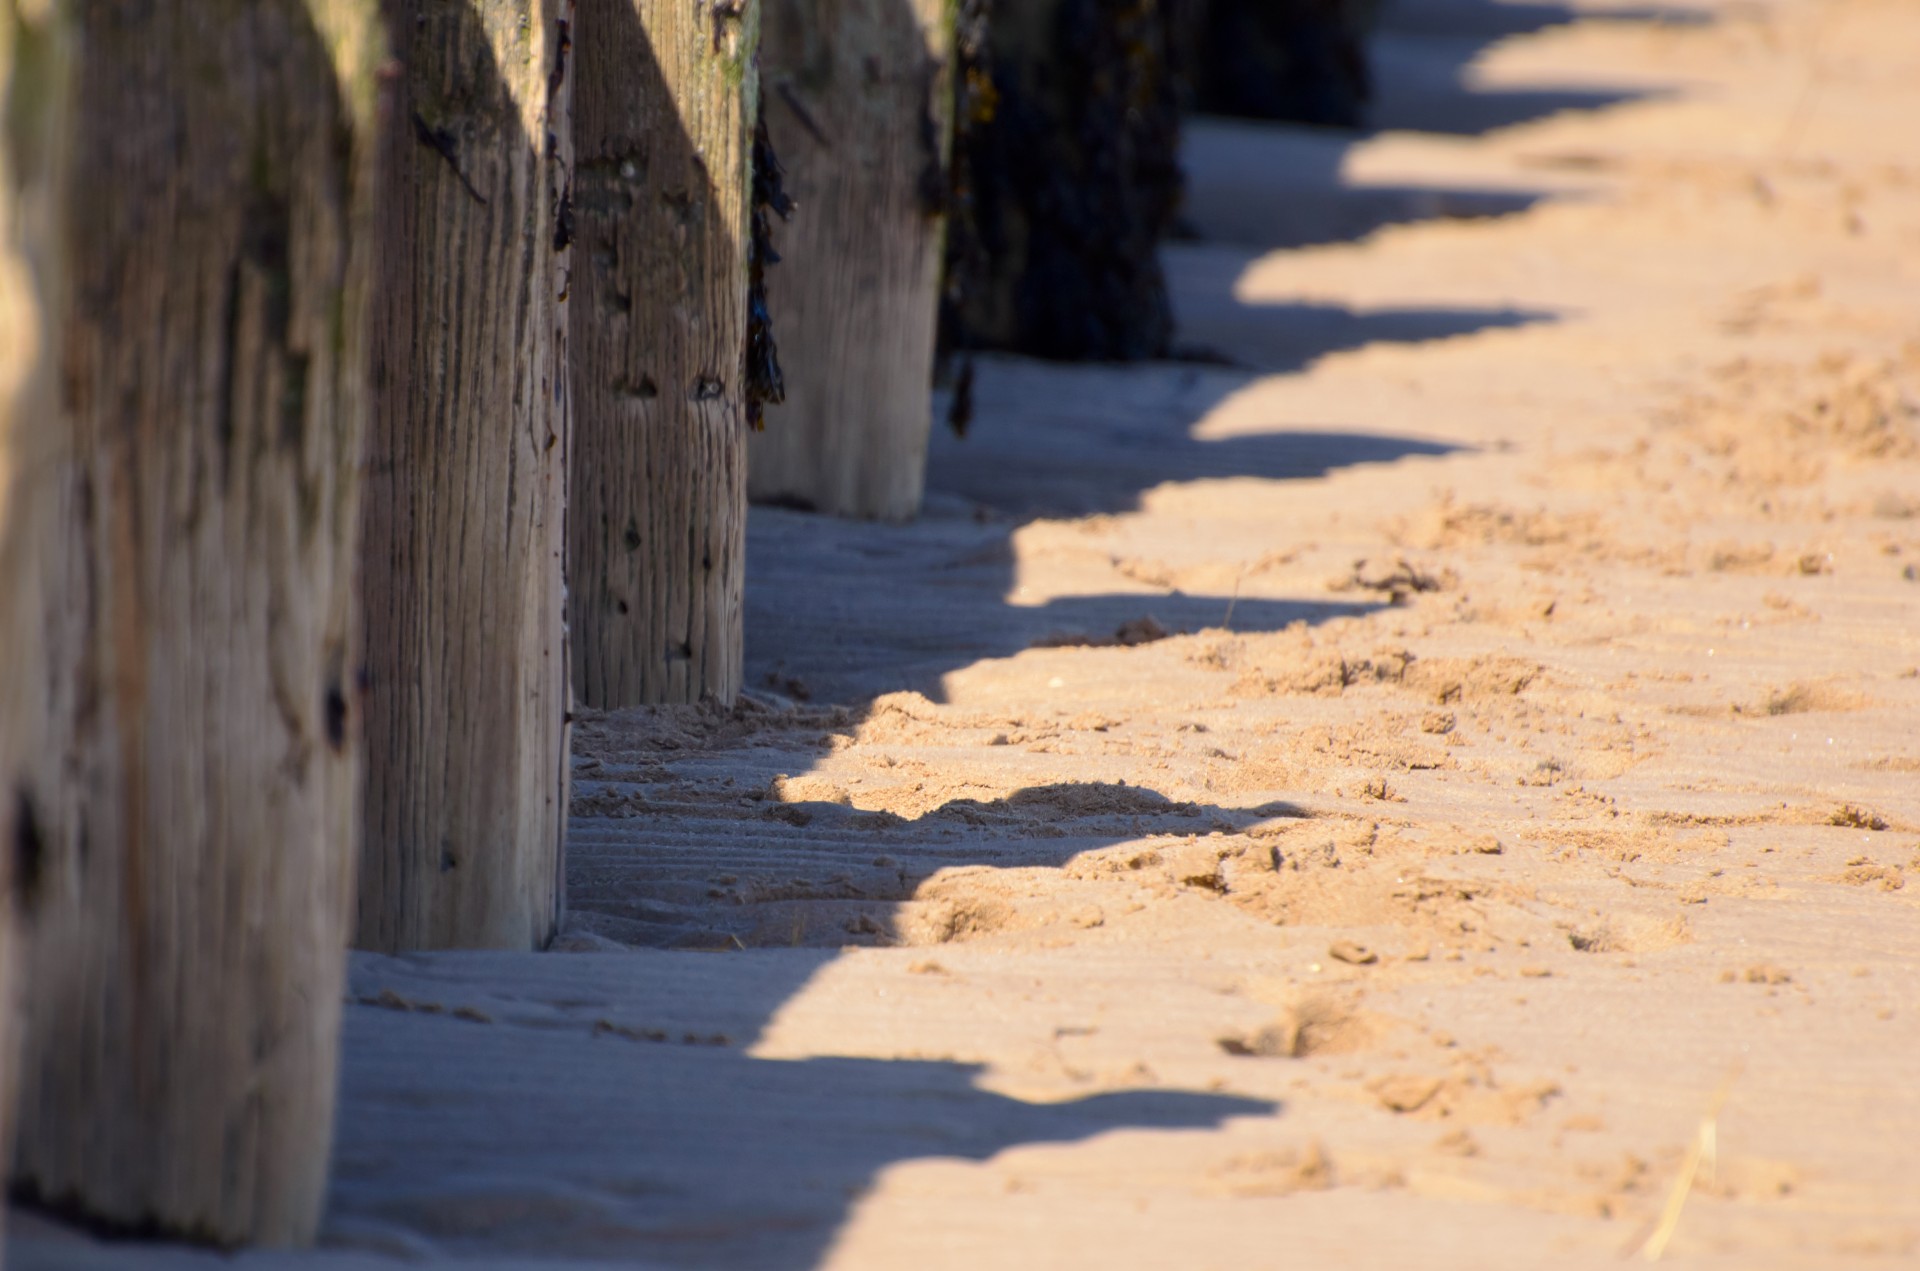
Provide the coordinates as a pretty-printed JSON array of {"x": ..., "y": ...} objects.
[{"x": 1429, "y": 782}]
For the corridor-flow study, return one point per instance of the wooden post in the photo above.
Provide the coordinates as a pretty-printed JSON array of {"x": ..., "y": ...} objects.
[
  {"x": 859, "y": 102},
  {"x": 193, "y": 714},
  {"x": 465, "y": 548},
  {"x": 664, "y": 106},
  {"x": 1303, "y": 61},
  {"x": 35, "y": 101},
  {"x": 1075, "y": 182}
]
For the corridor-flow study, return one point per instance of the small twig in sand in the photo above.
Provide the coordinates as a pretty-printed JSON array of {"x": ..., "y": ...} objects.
[
  {"x": 1226, "y": 623},
  {"x": 1702, "y": 1156},
  {"x": 1789, "y": 137}
]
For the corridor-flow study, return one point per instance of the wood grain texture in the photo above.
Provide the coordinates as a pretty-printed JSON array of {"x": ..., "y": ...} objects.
[
  {"x": 664, "y": 105},
  {"x": 465, "y": 547},
  {"x": 859, "y": 102},
  {"x": 193, "y": 713}
]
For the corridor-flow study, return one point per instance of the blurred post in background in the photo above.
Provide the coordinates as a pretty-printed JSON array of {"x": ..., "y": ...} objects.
[
  {"x": 35, "y": 94},
  {"x": 189, "y": 514},
  {"x": 859, "y": 101},
  {"x": 1296, "y": 61},
  {"x": 1073, "y": 182}
]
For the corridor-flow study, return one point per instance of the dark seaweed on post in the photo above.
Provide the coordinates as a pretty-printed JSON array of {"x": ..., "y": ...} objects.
[
  {"x": 764, "y": 381},
  {"x": 974, "y": 103},
  {"x": 1071, "y": 182},
  {"x": 1302, "y": 61}
]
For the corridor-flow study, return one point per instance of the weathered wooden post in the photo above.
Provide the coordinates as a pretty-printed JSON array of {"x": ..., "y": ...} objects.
[
  {"x": 859, "y": 103},
  {"x": 190, "y": 710},
  {"x": 1075, "y": 182},
  {"x": 465, "y": 506},
  {"x": 664, "y": 112},
  {"x": 35, "y": 82}
]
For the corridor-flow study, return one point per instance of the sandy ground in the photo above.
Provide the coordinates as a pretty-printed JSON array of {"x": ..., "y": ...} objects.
[{"x": 1431, "y": 792}]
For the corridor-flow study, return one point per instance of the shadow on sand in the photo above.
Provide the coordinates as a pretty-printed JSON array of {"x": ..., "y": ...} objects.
[
  {"x": 1268, "y": 188},
  {"x": 606, "y": 1112}
]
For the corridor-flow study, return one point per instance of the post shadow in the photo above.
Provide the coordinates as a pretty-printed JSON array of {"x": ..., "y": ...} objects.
[
  {"x": 1490, "y": 21},
  {"x": 654, "y": 1139},
  {"x": 1423, "y": 51},
  {"x": 746, "y": 871},
  {"x": 1264, "y": 188},
  {"x": 852, "y": 612},
  {"x": 1279, "y": 337},
  {"x": 1270, "y": 188}
]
